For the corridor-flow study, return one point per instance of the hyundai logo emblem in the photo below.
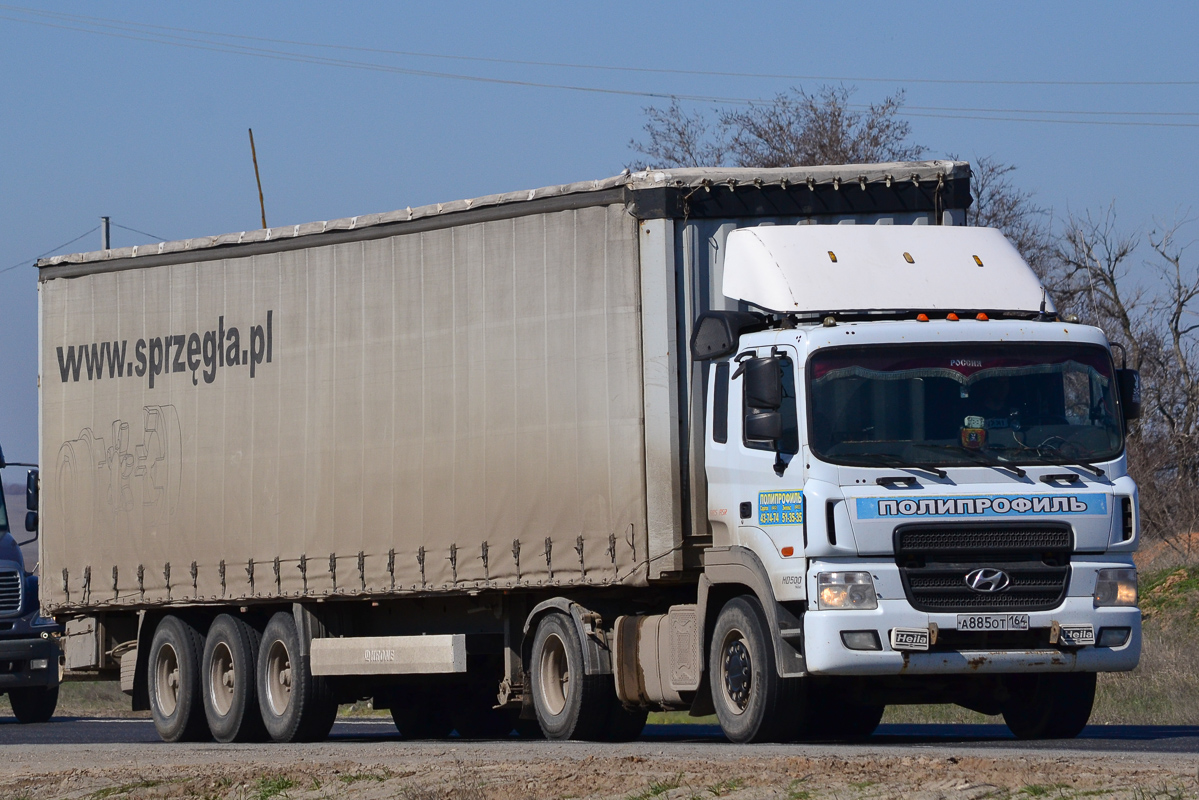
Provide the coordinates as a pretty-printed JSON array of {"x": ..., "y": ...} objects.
[{"x": 988, "y": 580}]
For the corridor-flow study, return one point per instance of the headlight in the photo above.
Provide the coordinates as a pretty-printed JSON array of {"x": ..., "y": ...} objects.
[
  {"x": 1116, "y": 587},
  {"x": 845, "y": 590}
]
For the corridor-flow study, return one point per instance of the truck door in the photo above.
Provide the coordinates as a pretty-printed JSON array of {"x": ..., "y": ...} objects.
[{"x": 754, "y": 483}]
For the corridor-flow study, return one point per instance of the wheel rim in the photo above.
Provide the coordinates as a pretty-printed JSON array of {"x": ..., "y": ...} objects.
[
  {"x": 555, "y": 674},
  {"x": 166, "y": 679},
  {"x": 736, "y": 671},
  {"x": 222, "y": 679},
  {"x": 278, "y": 677}
]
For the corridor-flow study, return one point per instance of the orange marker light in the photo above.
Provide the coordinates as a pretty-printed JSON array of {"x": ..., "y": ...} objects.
[
  {"x": 952, "y": 317},
  {"x": 982, "y": 317},
  {"x": 832, "y": 256},
  {"x": 788, "y": 551},
  {"x": 922, "y": 317},
  {"x": 978, "y": 261},
  {"x": 908, "y": 258}
]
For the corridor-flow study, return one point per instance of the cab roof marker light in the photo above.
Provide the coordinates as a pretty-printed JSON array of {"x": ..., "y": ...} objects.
[
  {"x": 922, "y": 317},
  {"x": 982, "y": 316},
  {"x": 952, "y": 317},
  {"x": 978, "y": 261},
  {"x": 832, "y": 256},
  {"x": 908, "y": 258}
]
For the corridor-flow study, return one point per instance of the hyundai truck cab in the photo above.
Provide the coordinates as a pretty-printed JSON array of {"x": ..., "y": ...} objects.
[
  {"x": 929, "y": 465},
  {"x": 29, "y": 650}
]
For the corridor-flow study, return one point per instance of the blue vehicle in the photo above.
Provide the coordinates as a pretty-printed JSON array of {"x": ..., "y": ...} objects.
[{"x": 29, "y": 649}]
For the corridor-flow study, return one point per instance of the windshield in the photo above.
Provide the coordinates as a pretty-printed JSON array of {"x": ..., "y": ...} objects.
[{"x": 958, "y": 404}]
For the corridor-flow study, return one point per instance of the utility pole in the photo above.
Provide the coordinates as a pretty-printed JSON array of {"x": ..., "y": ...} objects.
[
  {"x": 254, "y": 155},
  {"x": 105, "y": 241}
]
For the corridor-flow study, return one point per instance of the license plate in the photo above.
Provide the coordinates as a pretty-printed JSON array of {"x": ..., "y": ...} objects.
[
  {"x": 909, "y": 638},
  {"x": 1076, "y": 636},
  {"x": 992, "y": 622}
]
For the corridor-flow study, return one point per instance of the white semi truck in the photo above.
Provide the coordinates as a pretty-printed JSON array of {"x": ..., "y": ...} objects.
[{"x": 548, "y": 460}]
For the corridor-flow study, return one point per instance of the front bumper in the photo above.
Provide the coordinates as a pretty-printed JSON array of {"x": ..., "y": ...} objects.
[
  {"x": 826, "y": 654},
  {"x": 16, "y": 663}
]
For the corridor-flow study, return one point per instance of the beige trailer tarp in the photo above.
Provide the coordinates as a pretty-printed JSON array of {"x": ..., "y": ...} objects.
[{"x": 450, "y": 409}]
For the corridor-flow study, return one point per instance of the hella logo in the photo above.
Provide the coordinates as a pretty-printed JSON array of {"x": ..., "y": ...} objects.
[{"x": 988, "y": 580}]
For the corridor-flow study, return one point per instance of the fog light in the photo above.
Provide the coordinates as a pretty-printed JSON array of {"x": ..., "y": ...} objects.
[
  {"x": 1112, "y": 637},
  {"x": 42, "y": 663},
  {"x": 861, "y": 640},
  {"x": 854, "y": 590},
  {"x": 1116, "y": 587}
]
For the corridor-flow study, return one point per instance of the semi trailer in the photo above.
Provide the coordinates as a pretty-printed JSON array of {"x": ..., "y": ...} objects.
[{"x": 783, "y": 445}]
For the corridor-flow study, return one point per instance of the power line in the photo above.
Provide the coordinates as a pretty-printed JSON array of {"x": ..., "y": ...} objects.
[
  {"x": 190, "y": 43},
  {"x": 601, "y": 67},
  {"x": 51, "y": 250},
  {"x": 135, "y": 230}
]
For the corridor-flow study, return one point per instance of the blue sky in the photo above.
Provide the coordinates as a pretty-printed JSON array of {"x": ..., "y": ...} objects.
[{"x": 154, "y": 135}]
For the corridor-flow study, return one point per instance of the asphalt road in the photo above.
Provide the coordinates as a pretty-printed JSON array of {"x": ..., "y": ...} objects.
[{"x": 894, "y": 739}]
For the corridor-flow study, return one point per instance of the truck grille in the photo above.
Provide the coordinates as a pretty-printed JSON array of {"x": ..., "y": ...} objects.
[
  {"x": 935, "y": 560},
  {"x": 10, "y": 592}
]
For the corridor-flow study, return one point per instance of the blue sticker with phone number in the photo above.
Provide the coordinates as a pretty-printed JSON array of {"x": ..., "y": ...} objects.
[{"x": 780, "y": 508}]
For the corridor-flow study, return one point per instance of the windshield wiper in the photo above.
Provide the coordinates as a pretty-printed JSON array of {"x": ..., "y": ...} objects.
[
  {"x": 896, "y": 461},
  {"x": 976, "y": 457}
]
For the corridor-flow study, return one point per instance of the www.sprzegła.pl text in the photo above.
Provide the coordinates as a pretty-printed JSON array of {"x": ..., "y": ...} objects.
[{"x": 200, "y": 353}]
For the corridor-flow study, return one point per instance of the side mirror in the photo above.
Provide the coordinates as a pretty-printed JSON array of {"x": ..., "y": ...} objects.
[
  {"x": 717, "y": 332},
  {"x": 31, "y": 522},
  {"x": 764, "y": 426},
  {"x": 31, "y": 490},
  {"x": 1129, "y": 383},
  {"x": 763, "y": 383}
]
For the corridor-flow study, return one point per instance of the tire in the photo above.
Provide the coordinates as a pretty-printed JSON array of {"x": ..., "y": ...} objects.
[
  {"x": 839, "y": 721},
  {"x": 296, "y": 705},
  {"x": 176, "y": 700},
  {"x": 1049, "y": 705},
  {"x": 752, "y": 702},
  {"x": 569, "y": 703},
  {"x": 624, "y": 724},
  {"x": 418, "y": 713},
  {"x": 229, "y": 681},
  {"x": 33, "y": 704}
]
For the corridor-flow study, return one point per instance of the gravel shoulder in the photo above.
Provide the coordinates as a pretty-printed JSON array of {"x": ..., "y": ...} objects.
[{"x": 640, "y": 771}]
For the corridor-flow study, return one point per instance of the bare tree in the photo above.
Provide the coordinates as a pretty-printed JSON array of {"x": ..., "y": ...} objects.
[
  {"x": 795, "y": 129},
  {"x": 999, "y": 203},
  {"x": 1160, "y": 331}
]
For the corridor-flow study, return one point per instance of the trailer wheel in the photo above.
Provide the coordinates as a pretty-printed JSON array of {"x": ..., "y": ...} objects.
[
  {"x": 419, "y": 713},
  {"x": 569, "y": 703},
  {"x": 296, "y": 705},
  {"x": 752, "y": 702},
  {"x": 230, "y": 686},
  {"x": 176, "y": 700},
  {"x": 33, "y": 704},
  {"x": 1049, "y": 705}
]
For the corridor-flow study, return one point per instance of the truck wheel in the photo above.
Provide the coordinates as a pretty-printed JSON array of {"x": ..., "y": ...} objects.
[
  {"x": 33, "y": 704},
  {"x": 839, "y": 721},
  {"x": 752, "y": 702},
  {"x": 176, "y": 700},
  {"x": 230, "y": 687},
  {"x": 1049, "y": 706},
  {"x": 624, "y": 724},
  {"x": 296, "y": 705},
  {"x": 569, "y": 703}
]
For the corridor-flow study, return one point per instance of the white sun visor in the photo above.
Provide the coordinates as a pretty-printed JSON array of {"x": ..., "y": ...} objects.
[{"x": 815, "y": 269}]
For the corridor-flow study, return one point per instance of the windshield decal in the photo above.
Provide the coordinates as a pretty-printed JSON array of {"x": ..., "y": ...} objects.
[
  {"x": 983, "y": 506},
  {"x": 780, "y": 508}
]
